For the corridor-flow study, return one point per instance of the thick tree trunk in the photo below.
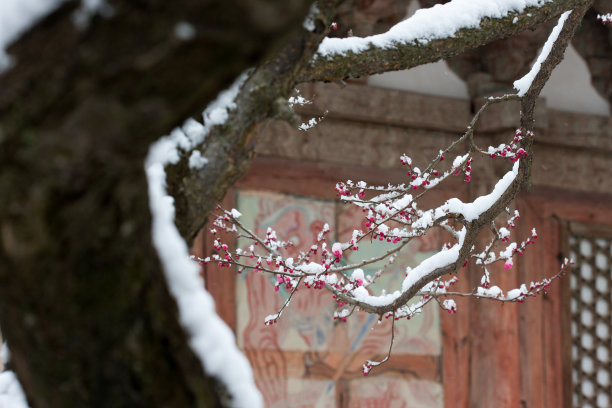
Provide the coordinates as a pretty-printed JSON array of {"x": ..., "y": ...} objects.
[{"x": 83, "y": 302}]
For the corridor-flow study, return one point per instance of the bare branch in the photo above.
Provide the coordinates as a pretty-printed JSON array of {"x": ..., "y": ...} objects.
[{"x": 367, "y": 367}]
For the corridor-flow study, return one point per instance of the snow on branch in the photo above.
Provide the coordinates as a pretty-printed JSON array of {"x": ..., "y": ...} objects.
[
  {"x": 551, "y": 55},
  {"x": 430, "y": 34},
  {"x": 265, "y": 93},
  {"x": 209, "y": 337},
  {"x": 522, "y": 85},
  {"x": 192, "y": 134},
  {"x": 11, "y": 393},
  {"x": 18, "y": 16},
  {"x": 435, "y": 23},
  {"x": 393, "y": 214}
]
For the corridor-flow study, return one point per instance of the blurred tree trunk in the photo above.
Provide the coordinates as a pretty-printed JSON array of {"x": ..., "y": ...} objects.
[{"x": 83, "y": 301}]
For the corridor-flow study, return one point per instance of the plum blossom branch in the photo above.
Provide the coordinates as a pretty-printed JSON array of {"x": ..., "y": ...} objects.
[
  {"x": 396, "y": 206},
  {"x": 393, "y": 215},
  {"x": 518, "y": 295}
]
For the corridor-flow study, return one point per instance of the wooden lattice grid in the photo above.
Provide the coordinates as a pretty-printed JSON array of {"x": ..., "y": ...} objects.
[{"x": 591, "y": 324}]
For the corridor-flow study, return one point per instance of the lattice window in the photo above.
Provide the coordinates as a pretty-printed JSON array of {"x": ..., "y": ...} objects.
[{"x": 591, "y": 308}]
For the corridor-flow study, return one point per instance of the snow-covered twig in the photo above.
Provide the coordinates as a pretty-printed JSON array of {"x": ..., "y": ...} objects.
[{"x": 312, "y": 122}]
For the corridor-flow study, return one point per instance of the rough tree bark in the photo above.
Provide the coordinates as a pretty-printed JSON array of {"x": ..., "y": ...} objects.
[{"x": 83, "y": 303}]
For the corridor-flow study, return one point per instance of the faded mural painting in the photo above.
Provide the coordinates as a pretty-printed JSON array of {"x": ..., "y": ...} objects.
[{"x": 309, "y": 359}]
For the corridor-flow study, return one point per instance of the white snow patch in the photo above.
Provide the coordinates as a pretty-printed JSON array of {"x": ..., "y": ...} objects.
[
  {"x": 209, "y": 337},
  {"x": 449, "y": 304},
  {"x": 336, "y": 248},
  {"x": 440, "y": 21},
  {"x": 357, "y": 274},
  {"x": 504, "y": 232},
  {"x": 271, "y": 318},
  {"x": 522, "y": 85},
  {"x": 216, "y": 113},
  {"x": 508, "y": 252},
  {"x": 332, "y": 279},
  {"x": 492, "y": 292},
  {"x": 192, "y": 133},
  {"x": 88, "y": 9},
  {"x": 298, "y": 100},
  {"x": 473, "y": 210},
  {"x": 516, "y": 293},
  {"x": 309, "y": 21},
  {"x": 288, "y": 261},
  {"x": 438, "y": 260},
  {"x": 18, "y": 16},
  {"x": 403, "y": 202},
  {"x": 311, "y": 268},
  {"x": 195, "y": 132},
  {"x": 459, "y": 160},
  {"x": 311, "y": 123},
  {"x": 196, "y": 160},
  {"x": 11, "y": 393}
]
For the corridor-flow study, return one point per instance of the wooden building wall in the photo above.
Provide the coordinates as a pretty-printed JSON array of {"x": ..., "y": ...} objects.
[{"x": 490, "y": 354}]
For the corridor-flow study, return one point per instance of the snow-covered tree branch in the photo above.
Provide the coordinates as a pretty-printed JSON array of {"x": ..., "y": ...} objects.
[
  {"x": 431, "y": 34},
  {"x": 393, "y": 215}
]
